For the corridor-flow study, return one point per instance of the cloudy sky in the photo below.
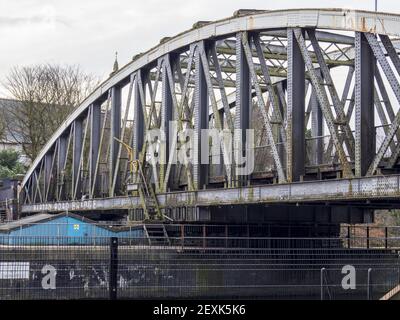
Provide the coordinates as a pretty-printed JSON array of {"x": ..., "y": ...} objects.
[{"x": 89, "y": 32}]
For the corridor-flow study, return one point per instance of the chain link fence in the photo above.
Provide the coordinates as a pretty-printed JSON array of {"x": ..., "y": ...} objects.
[{"x": 196, "y": 268}]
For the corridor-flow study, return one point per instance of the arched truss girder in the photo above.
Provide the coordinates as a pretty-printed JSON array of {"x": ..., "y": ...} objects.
[{"x": 285, "y": 52}]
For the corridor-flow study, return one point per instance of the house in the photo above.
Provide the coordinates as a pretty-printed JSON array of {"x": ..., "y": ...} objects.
[
  {"x": 8, "y": 141},
  {"x": 9, "y": 199}
]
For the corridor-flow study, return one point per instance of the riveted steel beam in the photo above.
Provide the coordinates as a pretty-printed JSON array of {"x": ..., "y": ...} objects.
[
  {"x": 76, "y": 158},
  {"x": 180, "y": 110},
  {"x": 63, "y": 191},
  {"x": 337, "y": 104},
  {"x": 243, "y": 97},
  {"x": 138, "y": 118},
  {"x": 48, "y": 174},
  {"x": 33, "y": 188},
  {"x": 200, "y": 170},
  {"x": 278, "y": 118},
  {"x": 166, "y": 117},
  {"x": 180, "y": 79},
  {"x": 148, "y": 77},
  {"x": 364, "y": 105},
  {"x": 391, "y": 77},
  {"x": 261, "y": 105},
  {"x": 205, "y": 58},
  {"x": 62, "y": 151},
  {"x": 26, "y": 196},
  {"x": 295, "y": 151},
  {"x": 344, "y": 99},
  {"x": 184, "y": 108},
  {"x": 221, "y": 86},
  {"x": 385, "y": 97},
  {"x": 382, "y": 117},
  {"x": 278, "y": 52},
  {"x": 309, "y": 105},
  {"x": 280, "y": 89},
  {"x": 37, "y": 188},
  {"x": 95, "y": 134},
  {"x": 347, "y": 86},
  {"x": 391, "y": 51},
  {"x": 324, "y": 103},
  {"x": 184, "y": 111},
  {"x": 79, "y": 186},
  {"x": 147, "y": 118},
  {"x": 355, "y": 189},
  {"x": 116, "y": 176},
  {"x": 317, "y": 130},
  {"x": 101, "y": 149},
  {"x": 115, "y": 133}
]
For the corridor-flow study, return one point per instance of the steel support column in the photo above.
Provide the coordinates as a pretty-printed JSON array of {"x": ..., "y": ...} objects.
[
  {"x": 200, "y": 171},
  {"x": 61, "y": 158},
  {"x": 35, "y": 186},
  {"x": 48, "y": 168},
  {"x": 115, "y": 132},
  {"x": 221, "y": 166},
  {"x": 95, "y": 135},
  {"x": 243, "y": 99},
  {"x": 317, "y": 130},
  {"x": 166, "y": 117},
  {"x": 295, "y": 110},
  {"x": 281, "y": 88},
  {"x": 76, "y": 157},
  {"x": 139, "y": 125},
  {"x": 364, "y": 105}
]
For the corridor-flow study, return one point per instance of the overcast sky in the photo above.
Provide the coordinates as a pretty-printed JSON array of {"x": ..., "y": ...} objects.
[{"x": 89, "y": 32}]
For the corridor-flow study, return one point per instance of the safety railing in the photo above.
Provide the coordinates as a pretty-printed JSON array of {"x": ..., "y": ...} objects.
[{"x": 346, "y": 236}]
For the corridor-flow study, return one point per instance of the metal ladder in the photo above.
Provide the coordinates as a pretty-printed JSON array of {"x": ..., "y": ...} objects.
[
  {"x": 156, "y": 234},
  {"x": 3, "y": 215},
  {"x": 147, "y": 195},
  {"x": 3, "y": 210}
]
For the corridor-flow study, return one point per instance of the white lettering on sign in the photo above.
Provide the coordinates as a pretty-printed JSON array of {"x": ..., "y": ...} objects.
[{"x": 14, "y": 270}]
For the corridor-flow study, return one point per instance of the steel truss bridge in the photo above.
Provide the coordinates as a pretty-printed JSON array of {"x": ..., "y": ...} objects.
[{"x": 323, "y": 84}]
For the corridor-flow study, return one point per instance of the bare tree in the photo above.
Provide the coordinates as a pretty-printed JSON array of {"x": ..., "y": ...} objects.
[{"x": 46, "y": 95}]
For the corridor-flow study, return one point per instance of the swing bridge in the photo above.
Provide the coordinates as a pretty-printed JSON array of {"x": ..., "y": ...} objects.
[{"x": 319, "y": 88}]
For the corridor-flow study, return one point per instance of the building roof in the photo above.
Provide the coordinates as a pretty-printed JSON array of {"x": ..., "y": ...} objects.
[
  {"x": 41, "y": 218},
  {"x": 6, "y": 104},
  {"x": 25, "y": 222}
]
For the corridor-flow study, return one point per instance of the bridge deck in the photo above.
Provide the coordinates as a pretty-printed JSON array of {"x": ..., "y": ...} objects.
[{"x": 376, "y": 188}]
